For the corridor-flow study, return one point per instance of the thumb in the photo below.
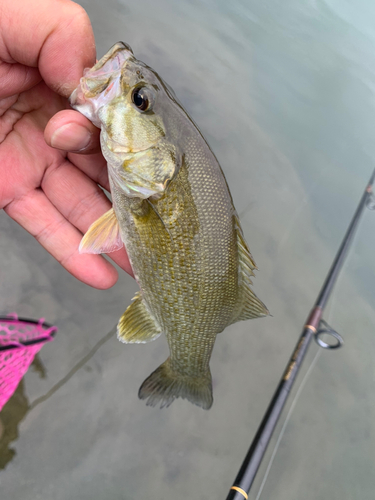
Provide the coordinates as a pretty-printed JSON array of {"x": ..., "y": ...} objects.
[{"x": 54, "y": 36}]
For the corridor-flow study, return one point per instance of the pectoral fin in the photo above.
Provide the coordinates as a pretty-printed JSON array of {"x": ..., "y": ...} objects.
[
  {"x": 103, "y": 236},
  {"x": 136, "y": 325},
  {"x": 248, "y": 305}
]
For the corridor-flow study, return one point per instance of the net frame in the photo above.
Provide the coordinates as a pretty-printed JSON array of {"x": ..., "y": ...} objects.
[{"x": 20, "y": 340}]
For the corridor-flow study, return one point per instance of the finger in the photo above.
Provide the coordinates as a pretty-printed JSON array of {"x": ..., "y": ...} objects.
[
  {"x": 56, "y": 36},
  {"x": 70, "y": 131},
  {"x": 94, "y": 166},
  {"x": 80, "y": 200},
  {"x": 39, "y": 217},
  {"x": 16, "y": 78},
  {"x": 89, "y": 159}
]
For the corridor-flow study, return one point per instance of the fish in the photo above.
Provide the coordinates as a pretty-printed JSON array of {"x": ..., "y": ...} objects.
[{"x": 173, "y": 210}]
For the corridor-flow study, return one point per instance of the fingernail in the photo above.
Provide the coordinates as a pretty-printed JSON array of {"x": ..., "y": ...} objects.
[{"x": 71, "y": 137}]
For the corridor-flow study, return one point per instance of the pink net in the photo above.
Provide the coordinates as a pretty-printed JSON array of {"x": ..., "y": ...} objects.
[{"x": 20, "y": 340}]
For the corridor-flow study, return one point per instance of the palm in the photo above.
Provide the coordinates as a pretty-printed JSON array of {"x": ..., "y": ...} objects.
[
  {"x": 53, "y": 194},
  {"x": 24, "y": 155}
]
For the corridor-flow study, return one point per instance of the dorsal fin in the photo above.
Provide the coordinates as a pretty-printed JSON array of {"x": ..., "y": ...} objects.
[{"x": 248, "y": 304}]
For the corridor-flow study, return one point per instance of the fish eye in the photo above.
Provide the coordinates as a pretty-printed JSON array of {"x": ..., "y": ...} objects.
[{"x": 143, "y": 98}]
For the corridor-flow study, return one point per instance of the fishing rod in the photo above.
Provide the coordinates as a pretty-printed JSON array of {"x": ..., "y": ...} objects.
[{"x": 312, "y": 328}]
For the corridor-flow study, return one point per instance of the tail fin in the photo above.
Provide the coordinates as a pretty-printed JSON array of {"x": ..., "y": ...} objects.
[{"x": 165, "y": 385}]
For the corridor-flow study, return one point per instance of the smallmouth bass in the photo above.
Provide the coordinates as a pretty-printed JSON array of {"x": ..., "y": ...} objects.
[{"x": 173, "y": 211}]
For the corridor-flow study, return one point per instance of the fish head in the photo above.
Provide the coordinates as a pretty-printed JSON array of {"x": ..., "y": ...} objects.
[{"x": 137, "y": 113}]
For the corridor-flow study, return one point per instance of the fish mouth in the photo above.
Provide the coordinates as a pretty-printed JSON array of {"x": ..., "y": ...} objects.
[
  {"x": 101, "y": 83},
  {"x": 114, "y": 59}
]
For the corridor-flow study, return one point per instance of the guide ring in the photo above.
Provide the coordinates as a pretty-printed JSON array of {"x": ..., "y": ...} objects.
[{"x": 329, "y": 331}]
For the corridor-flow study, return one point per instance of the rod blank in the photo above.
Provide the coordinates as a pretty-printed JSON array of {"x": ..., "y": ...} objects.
[{"x": 253, "y": 459}]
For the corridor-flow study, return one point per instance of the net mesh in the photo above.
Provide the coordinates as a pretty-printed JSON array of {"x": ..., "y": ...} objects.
[{"x": 15, "y": 361}]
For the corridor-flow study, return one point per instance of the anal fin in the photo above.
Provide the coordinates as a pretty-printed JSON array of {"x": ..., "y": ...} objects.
[{"x": 136, "y": 325}]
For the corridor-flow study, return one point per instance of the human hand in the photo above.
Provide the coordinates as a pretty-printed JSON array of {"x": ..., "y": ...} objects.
[{"x": 52, "y": 193}]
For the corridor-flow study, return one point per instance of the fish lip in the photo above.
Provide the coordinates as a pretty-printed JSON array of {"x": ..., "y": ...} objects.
[
  {"x": 111, "y": 64},
  {"x": 115, "y": 53}
]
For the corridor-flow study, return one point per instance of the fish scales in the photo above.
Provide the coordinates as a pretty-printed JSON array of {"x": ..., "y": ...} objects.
[
  {"x": 173, "y": 210},
  {"x": 181, "y": 260}
]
